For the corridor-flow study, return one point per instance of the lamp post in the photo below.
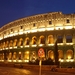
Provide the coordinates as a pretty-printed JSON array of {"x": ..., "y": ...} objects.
[{"x": 40, "y": 63}]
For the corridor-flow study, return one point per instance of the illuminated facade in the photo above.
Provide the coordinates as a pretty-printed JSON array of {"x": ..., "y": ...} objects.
[{"x": 21, "y": 39}]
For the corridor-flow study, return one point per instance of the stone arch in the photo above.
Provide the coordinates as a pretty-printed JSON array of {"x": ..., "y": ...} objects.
[
  {"x": 33, "y": 56},
  {"x": 42, "y": 39},
  {"x": 20, "y": 43},
  {"x": 27, "y": 41},
  {"x": 51, "y": 54},
  {"x": 34, "y": 40},
  {"x": 60, "y": 54},
  {"x": 15, "y": 42},
  {"x": 20, "y": 56},
  {"x": 7, "y": 44},
  {"x": 26, "y": 55},
  {"x": 68, "y": 38},
  {"x": 50, "y": 39},
  {"x": 14, "y": 56},
  {"x": 3, "y": 44},
  {"x": 10, "y": 56},
  {"x": 11, "y": 43},
  {"x": 69, "y": 54}
]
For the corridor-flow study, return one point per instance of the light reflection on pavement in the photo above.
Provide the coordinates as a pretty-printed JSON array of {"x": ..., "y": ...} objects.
[{"x": 16, "y": 71}]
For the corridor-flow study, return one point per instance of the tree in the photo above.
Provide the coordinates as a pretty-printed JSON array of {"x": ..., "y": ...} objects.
[{"x": 56, "y": 55}]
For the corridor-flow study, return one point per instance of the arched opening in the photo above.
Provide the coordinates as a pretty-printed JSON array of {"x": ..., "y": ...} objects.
[
  {"x": 60, "y": 54},
  {"x": 69, "y": 54},
  {"x": 15, "y": 43},
  {"x": 34, "y": 40},
  {"x": 50, "y": 39},
  {"x": 2, "y": 56},
  {"x": 51, "y": 54},
  {"x": 60, "y": 39},
  {"x": 7, "y": 44},
  {"x": 14, "y": 56},
  {"x": 20, "y": 56},
  {"x": 20, "y": 42},
  {"x": 10, "y": 56},
  {"x": 11, "y": 43},
  {"x": 42, "y": 39},
  {"x": 33, "y": 56},
  {"x": 26, "y": 56},
  {"x": 69, "y": 39},
  {"x": 27, "y": 41},
  {"x": 3, "y": 44}
]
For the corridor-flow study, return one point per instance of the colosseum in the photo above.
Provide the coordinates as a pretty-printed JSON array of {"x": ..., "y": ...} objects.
[{"x": 20, "y": 40}]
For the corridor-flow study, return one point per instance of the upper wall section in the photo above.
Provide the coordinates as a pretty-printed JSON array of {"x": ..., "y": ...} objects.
[{"x": 41, "y": 22}]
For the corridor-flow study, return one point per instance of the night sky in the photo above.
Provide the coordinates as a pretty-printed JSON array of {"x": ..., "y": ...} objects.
[{"x": 11, "y": 10}]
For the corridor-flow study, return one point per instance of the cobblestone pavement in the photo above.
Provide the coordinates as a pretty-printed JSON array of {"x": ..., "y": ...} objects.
[{"x": 16, "y": 71}]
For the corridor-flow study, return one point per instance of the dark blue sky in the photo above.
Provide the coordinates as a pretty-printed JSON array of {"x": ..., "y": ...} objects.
[{"x": 11, "y": 10}]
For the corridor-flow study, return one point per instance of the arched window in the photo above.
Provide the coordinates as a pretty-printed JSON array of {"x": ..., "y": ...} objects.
[
  {"x": 26, "y": 55},
  {"x": 27, "y": 41},
  {"x": 2, "y": 56},
  {"x": 50, "y": 39},
  {"x": 10, "y": 56},
  {"x": 20, "y": 56},
  {"x": 7, "y": 44},
  {"x": 14, "y": 56},
  {"x": 69, "y": 39},
  {"x": 34, "y": 40},
  {"x": 42, "y": 40},
  {"x": 3, "y": 44},
  {"x": 60, "y": 54},
  {"x": 33, "y": 56},
  {"x": 51, "y": 54},
  {"x": 15, "y": 42},
  {"x": 60, "y": 39},
  {"x": 11, "y": 43},
  {"x": 69, "y": 54},
  {"x": 20, "y": 42}
]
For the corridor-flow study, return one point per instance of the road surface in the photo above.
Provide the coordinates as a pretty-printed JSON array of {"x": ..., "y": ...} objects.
[{"x": 16, "y": 71}]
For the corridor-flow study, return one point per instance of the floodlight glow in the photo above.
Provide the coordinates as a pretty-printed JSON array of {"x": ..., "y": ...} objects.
[
  {"x": 34, "y": 45},
  {"x": 9, "y": 60},
  {"x": 20, "y": 32},
  {"x": 68, "y": 27},
  {"x": 50, "y": 44},
  {"x": 10, "y": 47},
  {"x": 15, "y": 47},
  {"x": 61, "y": 60},
  {"x": 59, "y": 28},
  {"x": 35, "y": 30},
  {"x": 41, "y": 29},
  {"x": 26, "y": 60},
  {"x": 50, "y": 28},
  {"x": 14, "y": 60},
  {"x": 16, "y": 33},
  {"x": 26, "y": 45},
  {"x": 60, "y": 44},
  {"x": 6, "y": 48},
  {"x": 21, "y": 46},
  {"x": 41, "y": 45},
  {"x": 69, "y": 43},
  {"x": 19, "y": 60}
]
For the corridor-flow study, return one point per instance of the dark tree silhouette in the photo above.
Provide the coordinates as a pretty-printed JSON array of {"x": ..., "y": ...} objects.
[{"x": 56, "y": 55}]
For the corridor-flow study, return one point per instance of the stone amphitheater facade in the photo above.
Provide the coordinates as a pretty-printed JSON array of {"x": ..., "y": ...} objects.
[{"x": 20, "y": 40}]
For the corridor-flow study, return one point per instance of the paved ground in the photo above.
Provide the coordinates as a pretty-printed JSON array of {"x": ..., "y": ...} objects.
[{"x": 16, "y": 71}]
